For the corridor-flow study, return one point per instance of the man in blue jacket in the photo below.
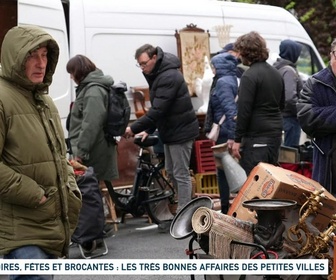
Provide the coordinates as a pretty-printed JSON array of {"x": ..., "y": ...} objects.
[
  {"x": 171, "y": 112},
  {"x": 317, "y": 116}
]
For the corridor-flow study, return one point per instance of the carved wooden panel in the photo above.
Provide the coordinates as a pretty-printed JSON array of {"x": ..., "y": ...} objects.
[{"x": 192, "y": 46}]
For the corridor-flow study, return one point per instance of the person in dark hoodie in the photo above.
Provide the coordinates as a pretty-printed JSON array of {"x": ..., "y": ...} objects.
[
  {"x": 222, "y": 103},
  {"x": 171, "y": 112},
  {"x": 317, "y": 116},
  {"x": 289, "y": 54}
]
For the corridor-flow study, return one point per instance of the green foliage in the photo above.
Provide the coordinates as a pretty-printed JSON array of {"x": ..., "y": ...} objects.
[
  {"x": 307, "y": 16},
  {"x": 290, "y": 6},
  {"x": 316, "y": 16}
]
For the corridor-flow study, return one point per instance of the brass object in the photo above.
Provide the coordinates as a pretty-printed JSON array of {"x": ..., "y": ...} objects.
[{"x": 312, "y": 244}]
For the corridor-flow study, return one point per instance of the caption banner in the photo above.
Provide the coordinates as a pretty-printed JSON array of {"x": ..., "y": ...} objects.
[{"x": 165, "y": 267}]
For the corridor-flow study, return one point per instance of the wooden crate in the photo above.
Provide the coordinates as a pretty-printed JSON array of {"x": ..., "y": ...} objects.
[
  {"x": 206, "y": 183},
  {"x": 205, "y": 160}
]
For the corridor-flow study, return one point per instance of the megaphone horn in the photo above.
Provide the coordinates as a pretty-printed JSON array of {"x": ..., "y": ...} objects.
[
  {"x": 235, "y": 174},
  {"x": 181, "y": 226}
]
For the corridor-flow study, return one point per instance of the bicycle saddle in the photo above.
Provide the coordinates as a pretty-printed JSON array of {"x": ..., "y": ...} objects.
[{"x": 151, "y": 140}]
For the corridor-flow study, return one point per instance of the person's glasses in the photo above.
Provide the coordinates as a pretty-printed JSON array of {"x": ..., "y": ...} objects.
[{"x": 142, "y": 64}]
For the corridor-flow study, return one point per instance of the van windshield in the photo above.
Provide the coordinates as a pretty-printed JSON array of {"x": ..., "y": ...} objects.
[{"x": 308, "y": 64}]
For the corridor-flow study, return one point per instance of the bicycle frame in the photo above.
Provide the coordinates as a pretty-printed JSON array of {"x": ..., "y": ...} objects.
[{"x": 146, "y": 172}]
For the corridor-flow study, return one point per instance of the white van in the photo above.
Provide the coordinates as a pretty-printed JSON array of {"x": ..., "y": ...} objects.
[{"x": 109, "y": 32}]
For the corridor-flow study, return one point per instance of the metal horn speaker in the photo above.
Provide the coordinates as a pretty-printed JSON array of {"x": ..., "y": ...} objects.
[
  {"x": 181, "y": 226},
  {"x": 235, "y": 174}
]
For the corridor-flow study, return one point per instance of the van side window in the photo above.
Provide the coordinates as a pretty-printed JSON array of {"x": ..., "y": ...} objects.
[{"x": 308, "y": 63}]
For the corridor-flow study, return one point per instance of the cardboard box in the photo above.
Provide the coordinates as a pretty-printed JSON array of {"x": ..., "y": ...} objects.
[{"x": 267, "y": 181}]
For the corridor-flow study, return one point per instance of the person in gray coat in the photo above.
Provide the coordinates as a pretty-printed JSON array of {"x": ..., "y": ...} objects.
[{"x": 289, "y": 54}]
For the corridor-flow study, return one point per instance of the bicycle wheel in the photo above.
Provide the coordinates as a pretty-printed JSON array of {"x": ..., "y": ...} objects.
[{"x": 160, "y": 199}]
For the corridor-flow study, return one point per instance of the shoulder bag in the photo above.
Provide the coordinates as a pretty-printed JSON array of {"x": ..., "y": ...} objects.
[{"x": 214, "y": 132}]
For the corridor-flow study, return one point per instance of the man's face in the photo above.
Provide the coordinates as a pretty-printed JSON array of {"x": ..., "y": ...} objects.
[
  {"x": 333, "y": 61},
  {"x": 36, "y": 64},
  {"x": 145, "y": 63}
]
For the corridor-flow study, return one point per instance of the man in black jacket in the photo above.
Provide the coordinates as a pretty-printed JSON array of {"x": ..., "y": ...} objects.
[
  {"x": 171, "y": 112},
  {"x": 261, "y": 99}
]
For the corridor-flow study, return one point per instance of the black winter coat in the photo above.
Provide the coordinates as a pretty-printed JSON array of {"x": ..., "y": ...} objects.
[
  {"x": 171, "y": 111},
  {"x": 261, "y": 99}
]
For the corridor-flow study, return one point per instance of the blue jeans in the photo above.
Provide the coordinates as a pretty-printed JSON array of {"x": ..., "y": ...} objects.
[
  {"x": 292, "y": 130},
  {"x": 29, "y": 252},
  {"x": 177, "y": 161}
]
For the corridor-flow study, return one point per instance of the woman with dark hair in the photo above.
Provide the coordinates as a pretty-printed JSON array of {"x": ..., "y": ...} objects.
[
  {"x": 88, "y": 116},
  {"x": 79, "y": 67},
  {"x": 261, "y": 98}
]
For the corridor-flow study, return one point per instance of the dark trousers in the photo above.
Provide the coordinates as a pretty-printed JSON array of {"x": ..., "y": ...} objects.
[
  {"x": 224, "y": 190},
  {"x": 223, "y": 185},
  {"x": 259, "y": 149}
]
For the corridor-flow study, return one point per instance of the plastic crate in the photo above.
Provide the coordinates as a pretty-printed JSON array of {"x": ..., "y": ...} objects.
[
  {"x": 206, "y": 183},
  {"x": 205, "y": 160}
]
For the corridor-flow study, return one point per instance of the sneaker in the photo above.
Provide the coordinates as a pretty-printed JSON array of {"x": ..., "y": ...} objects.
[{"x": 164, "y": 227}]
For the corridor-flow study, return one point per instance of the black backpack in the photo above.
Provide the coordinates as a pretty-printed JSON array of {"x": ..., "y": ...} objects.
[{"x": 119, "y": 112}]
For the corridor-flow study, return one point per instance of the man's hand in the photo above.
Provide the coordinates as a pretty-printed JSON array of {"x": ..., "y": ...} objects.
[
  {"x": 235, "y": 150},
  {"x": 143, "y": 135},
  {"x": 128, "y": 133},
  {"x": 77, "y": 165},
  {"x": 230, "y": 144},
  {"x": 43, "y": 200}
]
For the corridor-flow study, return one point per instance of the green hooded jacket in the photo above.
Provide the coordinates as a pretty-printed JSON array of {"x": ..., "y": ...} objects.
[
  {"x": 86, "y": 133},
  {"x": 33, "y": 159}
]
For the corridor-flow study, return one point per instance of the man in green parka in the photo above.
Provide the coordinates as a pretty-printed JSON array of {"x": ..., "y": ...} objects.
[{"x": 39, "y": 198}]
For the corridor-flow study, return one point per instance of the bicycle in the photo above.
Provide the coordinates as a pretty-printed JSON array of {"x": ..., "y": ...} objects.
[{"x": 151, "y": 193}]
